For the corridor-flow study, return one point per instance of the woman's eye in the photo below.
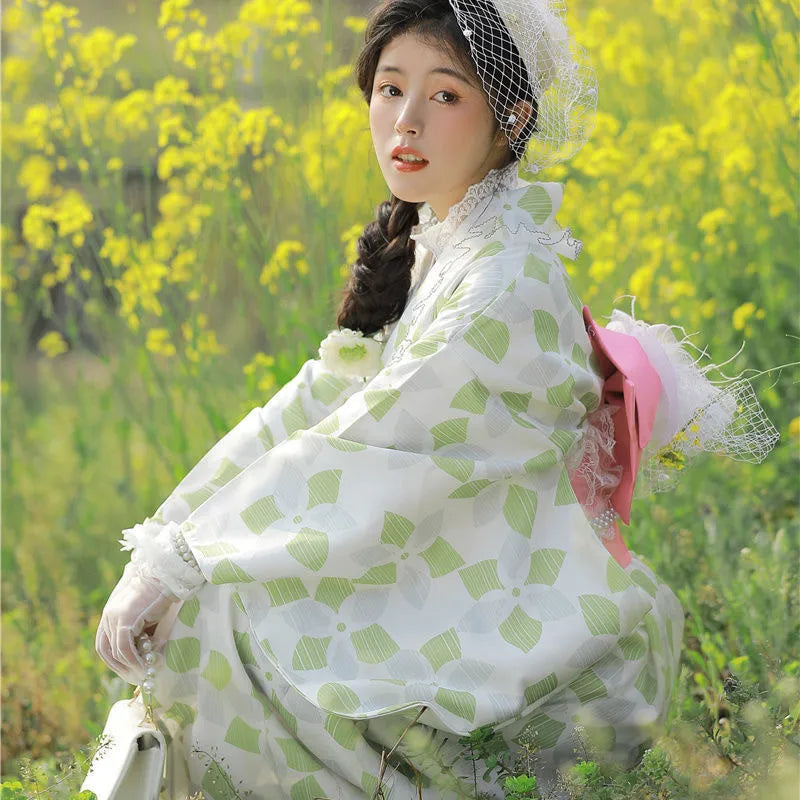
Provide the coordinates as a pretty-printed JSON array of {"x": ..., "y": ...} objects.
[
  {"x": 453, "y": 98},
  {"x": 387, "y": 86}
]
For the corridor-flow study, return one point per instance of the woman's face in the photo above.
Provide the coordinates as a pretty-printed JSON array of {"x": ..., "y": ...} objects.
[{"x": 423, "y": 100}]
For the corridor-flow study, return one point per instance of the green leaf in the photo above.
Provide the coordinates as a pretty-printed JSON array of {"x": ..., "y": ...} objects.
[
  {"x": 189, "y": 611},
  {"x": 545, "y": 565},
  {"x": 521, "y": 630},
  {"x": 561, "y": 396},
  {"x": 297, "y": 757},
  {"x": 228, "y": 572},
  {"x": 380, "y": 575},
  {"x": 260, "y": 515},
  {"x": 546, "y": 329},
  {"x": 491, "y": 249},
  {"x": 323, "y": 487},
  {"x": 537, "y": 269},
  {"x": 334, "y": 591},
  {"x": 459, "y": 468},
  {"x": 588, "y": 686},
  {"x": 373, "y": 645},
  {"x": 519, "y": 509},
  {"x": 442, "y": 648},
  {"x": 311, "y": 653},
  {"x": 310, "y": 548},
  {"x": 489, "y": 337},
  {"x": 600, "y": 613},
  {"x": 618, "y": 580},
  {"x": 327, "y": 387},
  {"x": 462, "y": 704},
  {"x": 472, "y": 397},
  {"x": 451, "y": 431},
  {"x": 536, "y": 691},
  {"x": 183, "y": 654},
  {"x": 536, "y": 201},
  {"x": 285, "y": 590},
  {"x": 481, "y": 578},
  {"x": 470, "y": 489},
  {"x": 379, "y": 401},
  {"x": 337, "y": 698},
  {"x": 441, "y": 558},
  {"x": 294, "y": 417},
  {"x": 218, "y": 670}
]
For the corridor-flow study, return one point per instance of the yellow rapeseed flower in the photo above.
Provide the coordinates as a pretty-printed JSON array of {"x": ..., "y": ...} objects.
[
  {"x": 37, "y": 227},
  {"x": 172, "y": 12},
  {"x": 71, "y": 213},
  {"x": 52, "y": 344},
  {"x": 280, "y": 262},
  {"x": 14, "y": 19},
  {"x": 158, "y": 341},
  {"x": 35, "y": 176},
  {"x": 712, "y": 221},
  {"x": 16, "y": 74},
  {"x": 742, "y": 314},
  {"x": 355, "y": 24}
]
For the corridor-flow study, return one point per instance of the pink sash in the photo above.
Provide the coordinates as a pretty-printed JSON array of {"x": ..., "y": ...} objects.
[{"x": 632, "y": 383}]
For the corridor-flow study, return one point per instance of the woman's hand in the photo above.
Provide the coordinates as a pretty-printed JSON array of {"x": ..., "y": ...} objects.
[{"x": 136, "y": 604}]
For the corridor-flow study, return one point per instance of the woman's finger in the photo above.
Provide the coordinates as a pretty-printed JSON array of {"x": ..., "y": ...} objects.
[
  {"x": 104, "y": 650},
  {"x": 125, "y": 650}
]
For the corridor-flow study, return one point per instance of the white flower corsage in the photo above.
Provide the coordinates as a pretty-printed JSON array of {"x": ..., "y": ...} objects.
[{"x": 351, "y": 354}]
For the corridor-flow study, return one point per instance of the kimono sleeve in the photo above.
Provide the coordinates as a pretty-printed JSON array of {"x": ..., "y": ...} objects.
[
  {"x": 304, "y": 400},
  {"x": 422, "y": 544}
]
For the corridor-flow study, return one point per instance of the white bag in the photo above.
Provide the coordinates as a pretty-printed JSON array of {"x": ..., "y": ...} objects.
[{"x": 131, "y": 765}]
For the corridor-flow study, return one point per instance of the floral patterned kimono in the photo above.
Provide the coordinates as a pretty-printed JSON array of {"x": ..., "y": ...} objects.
[{"x": 375, "y": 546}]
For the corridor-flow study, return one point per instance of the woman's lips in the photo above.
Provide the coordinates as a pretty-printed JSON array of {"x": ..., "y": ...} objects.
[{"x": 408, "y": 166}]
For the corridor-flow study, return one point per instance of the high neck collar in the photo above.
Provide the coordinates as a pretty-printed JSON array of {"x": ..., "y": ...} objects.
[{"x": 434, "y": 234}]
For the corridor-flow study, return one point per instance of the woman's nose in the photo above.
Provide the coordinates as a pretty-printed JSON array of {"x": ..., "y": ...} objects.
[{"x": 408, "y": 121}]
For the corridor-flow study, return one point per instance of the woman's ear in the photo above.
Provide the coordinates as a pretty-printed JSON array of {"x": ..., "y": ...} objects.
[{"x": 519, "y": 115}]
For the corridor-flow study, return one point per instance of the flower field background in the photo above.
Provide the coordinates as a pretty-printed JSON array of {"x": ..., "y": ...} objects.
[{"x": 183, "y": 185}]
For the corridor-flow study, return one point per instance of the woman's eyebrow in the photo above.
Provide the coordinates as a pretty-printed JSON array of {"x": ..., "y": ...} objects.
[{"x": 453, "y": 73}]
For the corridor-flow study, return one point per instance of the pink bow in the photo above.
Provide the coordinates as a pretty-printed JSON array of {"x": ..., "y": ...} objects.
[{"x": 632, "y": 383}]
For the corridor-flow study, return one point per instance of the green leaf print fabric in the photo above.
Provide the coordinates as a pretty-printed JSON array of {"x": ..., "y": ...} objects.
[
  {"x": 303, "y": 401},
  {"x": 421, "y": 544}
]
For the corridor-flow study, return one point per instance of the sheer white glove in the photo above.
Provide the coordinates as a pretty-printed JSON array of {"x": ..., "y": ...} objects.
[{"x": 137, "y": 604}]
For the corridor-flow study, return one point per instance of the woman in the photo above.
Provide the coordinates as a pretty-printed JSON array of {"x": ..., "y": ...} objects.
[{"x": 393, "y": 549}]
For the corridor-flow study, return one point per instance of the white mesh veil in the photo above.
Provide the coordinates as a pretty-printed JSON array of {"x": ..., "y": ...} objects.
[{"x": 523, "y": 52}]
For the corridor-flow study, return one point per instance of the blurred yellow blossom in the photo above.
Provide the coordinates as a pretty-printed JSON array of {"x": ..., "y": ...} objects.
[
  {"x": 742, "y": 314},
  {"x": 355, "y": 24},
  {"x": 158, "y": 341},
  {"x": 35, "y": 176},
  {"x": 52, "y": 344},
  {"x": 280, "y": 262},
  {"x": 37, "y": 227}
]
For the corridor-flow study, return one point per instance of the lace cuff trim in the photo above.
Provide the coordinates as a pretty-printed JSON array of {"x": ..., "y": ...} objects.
[{"x": 154, "y": 556}]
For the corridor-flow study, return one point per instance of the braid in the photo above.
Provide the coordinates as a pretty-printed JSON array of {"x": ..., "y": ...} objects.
[{"x": 377, "y": 291}]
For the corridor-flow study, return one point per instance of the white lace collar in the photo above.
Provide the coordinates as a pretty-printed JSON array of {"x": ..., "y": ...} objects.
[{"x": 435, "y": 234}]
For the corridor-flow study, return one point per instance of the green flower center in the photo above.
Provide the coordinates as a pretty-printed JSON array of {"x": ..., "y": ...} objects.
[{"x": 352, "y": 353}]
